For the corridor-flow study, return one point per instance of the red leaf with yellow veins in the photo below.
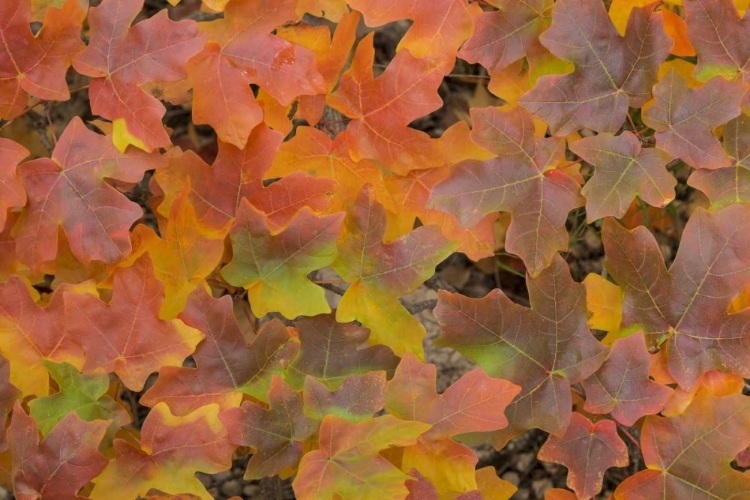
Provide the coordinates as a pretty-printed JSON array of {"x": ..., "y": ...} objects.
[
  {"x": 719, "y": 35},
  {"x": 172, "y": 449},
  {"x": 276, "y": 433},
  {"x": 126, "y": 336},
  {"x": 241, "y": 51},
  {"x": 69, "y": 191},
  {"x": 312, "y": 151},
  {"x": 684, "y": 118},
  {"x": 622, "y": 386},
  {"x": 543, "y": 349},
  {"x": 348, "y": 465},
  {"x": 30, "y": 334},
  {"x": 506, "y": 35},
  {"x": 216, "y": 191},
  {"x": 121, "y": 58},
  {"x": 612, "y": 72},
  {"x": 623, "y": 170},
  {"x": 380, "y": 273},
  {"x": 474, "y": 403},
  {"x": 227, "y": 367},
  {"x": 331, "y": 351},
  {"x": 684, "y": 310},
  {"x": 273, "y": 264},
  {"x": 587, "y": 450},
  {"x": 439, "y": 27},
  {"x": 688, "y": 456},
  {"x": 729, "y": 185},
  {"x": 12, "y": 193},
  {"x": 36, "y": 64},
  {"x": 186, "y": 255},
  {"x": 358, "y": 397},
  {"x": 61, "y": 464},
  {"x": 382, "y": 107},
  {"x": 522, "y": 179}
]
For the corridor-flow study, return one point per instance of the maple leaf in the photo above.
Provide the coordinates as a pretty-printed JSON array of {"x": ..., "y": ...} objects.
[
  {"x": 348, "y": 465},
  {"x": 684, "y": 310},
  {"x": 506, "y": 35},
  {"x": 731, "y": 184},
  {"x": 604, "y": 303},
  {"x": 522, "y": 179},
  {"x": 684, "y": 118},
  {"x": 332, "y": 10},
  {"x": 688, "y": 456},
  {"x": 275, "y": 433},
  {"x": 622, "y": 387},
  {"x": 587, "y": 450},
  {"x": 8, "y": 396},
  {"x": 718, "y": 33},
  {"x": 36, "y": 64},
  {"x": 216, "y": 191},
  {"x": 121, "y": 59},
  {"x": 12, "y": 193},
  {"x": 241, "y": 51},
  {"x": 382, "y": 107},
  {"x": 474, "y": 403},
  {"x": 82, "y": 394},
  {"x": 409, "y": 197},
  {"x": 623, "y": 170},
  {"x": 438, "y": 30},
  {"x": 69, "y": 190},
  {"x": 227, "y": 367},
  {"x": 185, "y": 256},
  {"x": 380, "y": 272},
  {"x": 273, "y": 264},
  {"x": 61, "y": 464},
  {"x": 312, "y": 151},
  {"x": 171, "y": 450},
  {"x": 30, "y": 334},
  {"x": 358, "y": 397},
  {"x": 543, "y": 349},
  {"x": 612, "y": 72},
  {"x": 330, "y": 351},
  {"x": 126, "y": 336}
]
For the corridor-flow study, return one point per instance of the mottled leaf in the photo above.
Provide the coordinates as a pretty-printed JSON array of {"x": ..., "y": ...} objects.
[
  {"x": 522, "y": 179},
  {"x": 276, "y": 433},
  {"x": 331, "y": 351},
  {"x": 381, "y": 272},
  {"x": 126, "y": 336},
  {"x": 358, "y": 397},
  {"x": 474, "y": 403},
  {"x": 61, "y": 464},
  {"x": 227, "y": 367},
  {"x": 273, "y": 264},
  {"x": 348, "y": 465},
  {"x": 543, "y": 349},
  {"x": 171, "y": 450},
  {"x": 82, "y": 394}
]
